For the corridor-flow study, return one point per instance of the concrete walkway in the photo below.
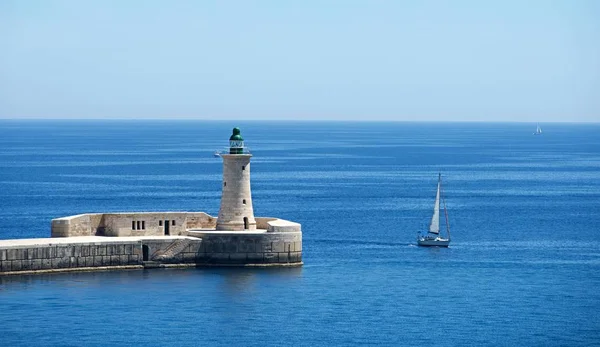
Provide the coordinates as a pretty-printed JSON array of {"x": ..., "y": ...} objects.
[{"x": 84, "y": 239}]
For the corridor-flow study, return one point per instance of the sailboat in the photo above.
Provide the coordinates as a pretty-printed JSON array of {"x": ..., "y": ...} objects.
[
  {"x": 538, "y": 130},
  {"x": 433, "y": 237}
]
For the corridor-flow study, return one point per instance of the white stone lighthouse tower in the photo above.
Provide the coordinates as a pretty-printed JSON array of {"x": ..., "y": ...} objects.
[{"x": 236, "y": 211}]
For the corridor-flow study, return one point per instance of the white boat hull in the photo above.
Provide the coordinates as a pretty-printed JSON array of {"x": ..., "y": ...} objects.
[{"x": 433, "y": 242}]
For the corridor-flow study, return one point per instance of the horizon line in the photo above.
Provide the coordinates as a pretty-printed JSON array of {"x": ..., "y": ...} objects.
[
  {"x": 298, "y": 120},
  {"x": 180, "y": 119}
]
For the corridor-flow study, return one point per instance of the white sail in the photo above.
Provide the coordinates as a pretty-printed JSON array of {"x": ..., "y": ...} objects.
[
  {"x": 436, "y": 240},
  {"x": 434, "y": 227}
]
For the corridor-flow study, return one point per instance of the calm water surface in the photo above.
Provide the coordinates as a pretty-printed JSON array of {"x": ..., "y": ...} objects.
[{"x": 523, "y": 267}]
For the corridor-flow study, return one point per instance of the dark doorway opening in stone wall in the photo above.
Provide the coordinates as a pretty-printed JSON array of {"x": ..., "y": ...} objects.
[
  {"x": 245, "y": 223},
  {"x": 167, "y": 225},
  {"x": 145, "y": 251}
]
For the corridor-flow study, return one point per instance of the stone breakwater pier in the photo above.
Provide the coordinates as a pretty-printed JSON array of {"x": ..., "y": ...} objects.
[{"x": 136, "y": 240}]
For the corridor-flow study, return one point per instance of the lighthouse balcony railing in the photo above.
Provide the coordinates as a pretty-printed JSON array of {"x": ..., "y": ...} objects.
[{"x": 234, "y": 150}]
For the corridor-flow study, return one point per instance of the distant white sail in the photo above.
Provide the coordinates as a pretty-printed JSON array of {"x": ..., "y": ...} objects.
[
  {"x": 434, "y": 227},
  {"x": 433, "y": 237}
]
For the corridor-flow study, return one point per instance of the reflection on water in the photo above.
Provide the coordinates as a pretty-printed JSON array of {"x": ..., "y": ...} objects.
[{"x": 234, "y": 280}]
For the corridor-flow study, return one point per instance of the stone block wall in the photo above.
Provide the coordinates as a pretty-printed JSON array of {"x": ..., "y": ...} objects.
[
  {"x": 214, "y": 248},
  {"x": 69, "y": 256},
  {"x": 200, "y": 220},
  {"x": 263, "y": 222},
  {"x": 249, "y": 249},
  {"x": 126, "y": 224},
  {"x": 282, "y": 226},
  {"x": 90, "y": 224},
  {"x": 150, "y": 223},
  {"x": 172, "y": 251}
]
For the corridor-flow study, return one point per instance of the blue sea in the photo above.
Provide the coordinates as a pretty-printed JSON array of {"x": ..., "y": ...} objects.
[{"x": 523, "y": 268}]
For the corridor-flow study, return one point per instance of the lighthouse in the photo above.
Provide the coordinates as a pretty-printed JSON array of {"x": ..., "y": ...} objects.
[{"x": 236, "y": 213}]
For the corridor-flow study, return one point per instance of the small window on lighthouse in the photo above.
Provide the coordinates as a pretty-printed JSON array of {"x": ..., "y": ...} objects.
[
  {"x": 244, "y": 201},
  {"x": 224, "y": 184},
  {"x": 243, "y": 167}
]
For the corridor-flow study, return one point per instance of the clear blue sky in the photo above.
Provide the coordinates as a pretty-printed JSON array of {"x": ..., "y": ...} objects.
[{"x": 352, "y": 60}]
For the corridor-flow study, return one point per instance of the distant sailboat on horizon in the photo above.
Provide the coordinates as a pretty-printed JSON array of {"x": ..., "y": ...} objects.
[
  {"x": 433, "y": 237},
  {"x": 538, "y": 130}
]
